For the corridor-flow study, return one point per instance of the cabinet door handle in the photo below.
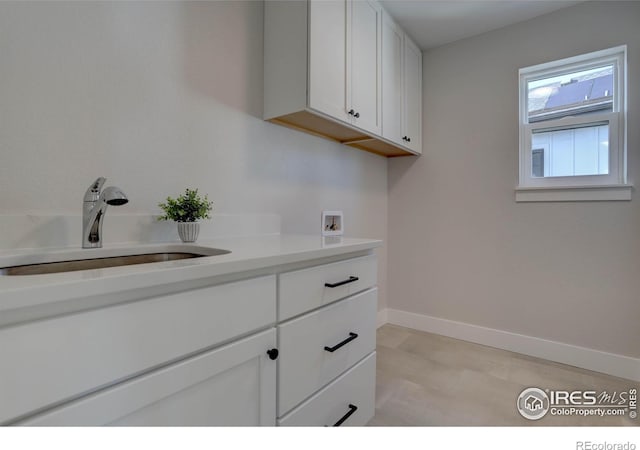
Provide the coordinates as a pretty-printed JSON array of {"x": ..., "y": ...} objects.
[
  {"x": 351, "y": 337},
  {"x": 340, "y": 283},
  {"x": 408, "y": 139},
  {"x": 356, "y": 115},
  {"x": 352, "y": 409},
  {"x": 351, "y": 112},
  {"x": 273, "y": 354}
]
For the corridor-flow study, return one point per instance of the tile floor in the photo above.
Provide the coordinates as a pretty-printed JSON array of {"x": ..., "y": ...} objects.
[{"x": 426, "y": 379}]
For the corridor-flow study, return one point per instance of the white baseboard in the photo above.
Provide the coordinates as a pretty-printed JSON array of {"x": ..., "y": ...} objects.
[
  {"x": 382, "y": 317},
  {"x": 586, "y": 358}
]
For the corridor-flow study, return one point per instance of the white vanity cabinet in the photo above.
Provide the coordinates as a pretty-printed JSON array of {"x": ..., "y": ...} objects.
[
  {"x": 401, "y": 87},
  {"x": 323, "y": 71},
  {"x": 320, "y": 349},
  {"x": 229, "y": 386},
  {"x": 291, "y": 343},
  {"x": 347, "y": 400},
  {"x": 153, "y": 352},
  {"x": 304, "y": 290}
]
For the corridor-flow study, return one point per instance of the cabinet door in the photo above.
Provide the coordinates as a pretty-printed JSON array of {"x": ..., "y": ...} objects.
[
  {"x": 349, "y": 400},
  {"x": 392, "y": 86},
  {"x": 413, "y": 95},
  {"x": 327, "y": 58},
  {"x": 230, "y": 386},
  {"x": 68, "y": 356},
  {"x": 364, "y": 40},
  {"x": 304, "y": 290},
  {"x": 319, "y": 346}
]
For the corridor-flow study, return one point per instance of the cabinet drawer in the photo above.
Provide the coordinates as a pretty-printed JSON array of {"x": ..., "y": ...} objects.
[
  {"x": 306, "y": 363},
  {"x": 61, "y": 358},
  {"x": 229, "y": 386},
  {"x": 354, "y": 391},
  {"x": 304, "y": 290}
]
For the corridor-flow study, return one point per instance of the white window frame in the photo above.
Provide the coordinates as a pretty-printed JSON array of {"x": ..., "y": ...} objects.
[{"x": 612, "y": 186}]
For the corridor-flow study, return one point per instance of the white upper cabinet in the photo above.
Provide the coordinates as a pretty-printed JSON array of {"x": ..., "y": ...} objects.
[
  {"x": 412, "y": 118},
  {"x": 323, "y": 73},
  {"x": 392, "y": 84},
  {"x": 364, "y": 69},
  {"x": 344, "y": 61},
  {"x": 328, "y": 58},
  {"x": 401, "y": 87}
]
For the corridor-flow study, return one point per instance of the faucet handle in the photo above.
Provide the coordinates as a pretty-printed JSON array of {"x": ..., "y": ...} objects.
[{"x": 93, "y": 193}]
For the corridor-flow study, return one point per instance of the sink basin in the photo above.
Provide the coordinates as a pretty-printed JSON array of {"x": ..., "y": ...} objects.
[{"x": 70, "y": 261}]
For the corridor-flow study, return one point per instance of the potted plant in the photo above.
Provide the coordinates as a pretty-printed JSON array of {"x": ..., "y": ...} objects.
[{"x": 186, "y": 210}]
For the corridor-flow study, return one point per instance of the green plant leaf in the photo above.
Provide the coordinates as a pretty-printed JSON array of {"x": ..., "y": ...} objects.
[{"x": 188, "y": 207}]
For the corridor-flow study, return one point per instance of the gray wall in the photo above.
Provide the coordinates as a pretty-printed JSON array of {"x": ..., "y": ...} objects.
[
  {"x": 159, "y": 96},
  {"x": 462, "y": 249}
]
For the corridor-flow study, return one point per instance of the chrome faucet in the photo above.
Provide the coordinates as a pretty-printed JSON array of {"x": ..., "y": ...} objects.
[{"x": 93, "y": 209}]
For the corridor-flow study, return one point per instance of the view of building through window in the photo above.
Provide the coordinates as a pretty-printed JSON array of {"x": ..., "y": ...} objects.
[
  {"x": 571, "y": 94},
  {"x": 570, "y": 151}
]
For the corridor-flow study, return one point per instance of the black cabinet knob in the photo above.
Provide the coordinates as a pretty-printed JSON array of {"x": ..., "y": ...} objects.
[
  {"x": 273, "y": 354},
  {"x": 408, "y": 139},
  {"x": 357, "y": 115},
  {"x": 404, "y": 138},
  {"x": 351, "y": 112}
]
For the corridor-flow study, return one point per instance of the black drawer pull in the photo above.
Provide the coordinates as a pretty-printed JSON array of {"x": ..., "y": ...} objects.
[
  {"x": 352, "y": 409},
  {"x": 340, "y": 283},
  {"x": 351, "y": 337}
]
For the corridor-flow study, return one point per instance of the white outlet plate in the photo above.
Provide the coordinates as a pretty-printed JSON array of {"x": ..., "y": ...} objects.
[{"x": 332, "y": 223}]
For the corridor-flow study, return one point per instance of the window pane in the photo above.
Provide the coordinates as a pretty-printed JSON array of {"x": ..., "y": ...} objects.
[
  {"x": 572, "y": 152},
  {"x": 571, "y": 94},
  {"x": 537, "y": 162}
]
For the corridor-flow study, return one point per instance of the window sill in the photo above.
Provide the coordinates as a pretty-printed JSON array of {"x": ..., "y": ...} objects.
[{"x": 574, "y": 193}]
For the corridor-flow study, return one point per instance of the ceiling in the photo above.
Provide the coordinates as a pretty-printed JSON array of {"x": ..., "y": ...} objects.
[{"x": 434, "y": 23}]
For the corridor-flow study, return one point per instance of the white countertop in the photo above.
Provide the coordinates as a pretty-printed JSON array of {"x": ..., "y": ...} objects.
[{"x": 247, "y": 253}]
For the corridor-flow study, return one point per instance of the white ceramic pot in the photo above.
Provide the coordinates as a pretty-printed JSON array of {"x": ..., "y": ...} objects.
[{"x": 188, "y": 231}]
